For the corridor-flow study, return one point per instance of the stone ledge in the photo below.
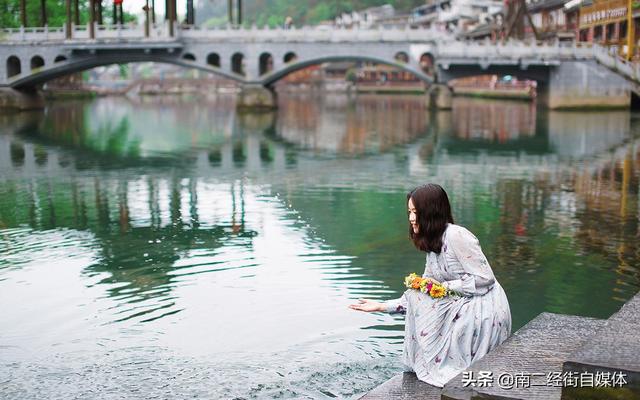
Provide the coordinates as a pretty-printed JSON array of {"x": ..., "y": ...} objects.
[
  {"x": 403, "y": 387},
  {"x": 540, "y": 347},
  {"x": 616, "y": 348}
]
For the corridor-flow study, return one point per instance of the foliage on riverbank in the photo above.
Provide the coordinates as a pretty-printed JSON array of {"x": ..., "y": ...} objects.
[
  {"x": 55, "y": 11},
  {"x": 303, "y": 12}
]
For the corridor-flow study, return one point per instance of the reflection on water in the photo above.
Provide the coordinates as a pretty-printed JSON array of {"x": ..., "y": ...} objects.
[
  {"x": 494, "y": 121},
  {"x": 578, "y": 134},
  {"x": 337, "y": 124},
  {"x": 175, "y": 239}
]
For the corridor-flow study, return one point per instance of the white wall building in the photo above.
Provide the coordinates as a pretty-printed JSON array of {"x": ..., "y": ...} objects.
[
  {"x": 455, "y": 16},
  {"x": 366, "y": 18}
]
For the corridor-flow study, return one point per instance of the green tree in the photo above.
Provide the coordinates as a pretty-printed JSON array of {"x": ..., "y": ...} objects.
[
  {"x": 55, "y": 10},
  {"x": 273, "y": 12}
]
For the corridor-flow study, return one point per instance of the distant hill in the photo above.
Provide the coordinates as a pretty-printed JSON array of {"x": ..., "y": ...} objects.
[{"x": 303, "y": 12}]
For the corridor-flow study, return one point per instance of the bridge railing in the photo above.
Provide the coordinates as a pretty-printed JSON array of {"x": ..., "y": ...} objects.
[
  {"x": 81, "y": 32},
  {"x": 313, "y": 34},
  {"x": 609, "y": 58},
  {"x": 511, "y": 50},
  {"x": 161, "y": 31},
  {"x": 31, "y": 33}
]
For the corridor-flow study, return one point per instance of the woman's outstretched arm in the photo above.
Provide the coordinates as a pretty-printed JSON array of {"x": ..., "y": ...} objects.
[
  {"x": 394, "y": 306},
  {"x": 367, "y": 306}
]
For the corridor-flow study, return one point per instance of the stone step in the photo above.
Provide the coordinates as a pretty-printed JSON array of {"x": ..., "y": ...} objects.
[
  {"x": 614, "y": 350},
  {"x": 540, "y": 347},
  {"x": 405, "y": 386},
  {"x": 535, "y": 353}
]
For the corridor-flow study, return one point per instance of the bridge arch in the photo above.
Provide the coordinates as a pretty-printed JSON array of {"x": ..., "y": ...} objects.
[
  {"x": 274, "y": 76},
  {"x": 237, "y": 63},
  {"x": 427, "y": 63},
  {"x": 402, "y": 57},
  {"x": 266, "y": 72},
  {"x": 538, "y": 73},
  {"x": 66, "y": 67},
  {"x": 213, "y": 59},
  {"x": 265, "y": 63},
  {"x": 289, "y": 57},
  {"x": 13, "y": 66},
  {"x": 37, "y": 62}
]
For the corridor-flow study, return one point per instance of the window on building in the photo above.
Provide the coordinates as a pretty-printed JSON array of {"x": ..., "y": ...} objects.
[
  {"x": 584, "y": 35},
  {"x": 610, "y": 29},
  {"x": 597, "y": 34},
  {"x": 623, "y": 30}
]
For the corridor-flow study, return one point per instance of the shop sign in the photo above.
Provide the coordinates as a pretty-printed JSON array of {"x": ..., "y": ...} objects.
[{"x": 602, "y": 13}]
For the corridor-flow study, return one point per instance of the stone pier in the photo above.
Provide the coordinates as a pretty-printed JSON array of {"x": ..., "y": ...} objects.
[
  {"x": 14, "y": 100},
  {"x": 256, "y": 96},
  {"x": 583, "y": 85},
  {"x": 439, "y": 96}
]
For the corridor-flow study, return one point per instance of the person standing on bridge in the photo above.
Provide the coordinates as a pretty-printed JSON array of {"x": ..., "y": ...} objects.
[
  {"x": 457, "y": 311},
  {"x": 288, "y": 23}
]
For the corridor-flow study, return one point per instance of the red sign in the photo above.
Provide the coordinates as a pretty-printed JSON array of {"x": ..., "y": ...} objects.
[{"x": 117, "y": 2}]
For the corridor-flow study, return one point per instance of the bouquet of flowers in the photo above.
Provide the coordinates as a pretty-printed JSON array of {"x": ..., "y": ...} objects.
[{"x": 425, "y": 285}]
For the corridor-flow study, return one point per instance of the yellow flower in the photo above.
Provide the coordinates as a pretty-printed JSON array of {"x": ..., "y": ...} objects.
[
  {"x": 437, "y": 291},
  {"x": 408, "y": 281},
  {"x": 417, "y": 281}
]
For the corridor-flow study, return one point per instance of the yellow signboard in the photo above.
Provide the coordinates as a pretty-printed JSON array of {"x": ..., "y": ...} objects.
[{"x": 603, "y": 12}]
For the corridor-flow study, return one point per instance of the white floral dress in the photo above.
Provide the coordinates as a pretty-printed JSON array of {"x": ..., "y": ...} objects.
[{"x": 444, "y": 336}]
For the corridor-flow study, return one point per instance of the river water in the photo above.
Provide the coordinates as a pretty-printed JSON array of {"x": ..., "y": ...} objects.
[{"x": 170, "y": 247}]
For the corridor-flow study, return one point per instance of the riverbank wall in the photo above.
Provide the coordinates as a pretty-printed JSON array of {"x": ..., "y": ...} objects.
[{"x": 488, "y": 93}]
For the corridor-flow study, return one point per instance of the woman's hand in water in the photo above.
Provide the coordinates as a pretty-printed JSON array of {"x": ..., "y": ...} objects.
[{"x": 367, "y": 306}]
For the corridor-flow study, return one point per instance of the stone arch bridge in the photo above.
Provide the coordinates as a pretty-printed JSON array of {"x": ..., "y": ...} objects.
[{"x": 257, "y": 58}]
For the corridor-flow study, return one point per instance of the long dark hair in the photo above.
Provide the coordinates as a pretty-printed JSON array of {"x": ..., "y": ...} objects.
[{"x": 433, "y": 212}]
